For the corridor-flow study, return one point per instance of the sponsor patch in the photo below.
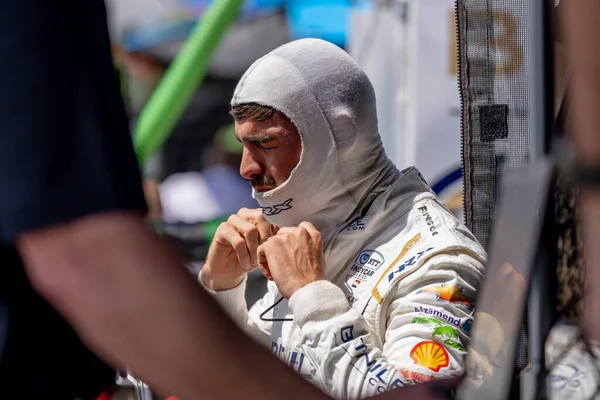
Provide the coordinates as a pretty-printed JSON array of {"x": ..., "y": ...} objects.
[
  {"x": 416, "y": 376},
  {"x": 442, "y": 315},
  {"x": 455, "y": 345},
  {"x": 450, "y": 337},
  {"x": 467, "y": 325},
  {"x": 355, "y": 225},
  {"x": 347, "y": 334},
  {"x": 277, "y": 208},
  {"x": 363, "y": 267},
  {"x": 445, "y": 331},
  {"x": 409, "y": 245},
  {"x": 426, "y": 320},
  {"x": 408, "y": 263},
  {"x": 449, "y": 293},
  {"x": 428, "y": 220},
  {"x": 430, "y": 354}
]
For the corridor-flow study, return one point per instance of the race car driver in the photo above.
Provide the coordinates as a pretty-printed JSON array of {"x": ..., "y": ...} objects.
[{"x": 372, "y": 279}]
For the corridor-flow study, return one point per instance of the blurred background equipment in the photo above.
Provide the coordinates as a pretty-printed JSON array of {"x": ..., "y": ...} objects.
[
  {"x": 513, "y": 80},
  {"x": 174, "y": 91}
]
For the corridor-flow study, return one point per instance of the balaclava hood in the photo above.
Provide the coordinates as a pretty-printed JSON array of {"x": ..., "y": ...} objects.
[{"x": 343, "y": 166}]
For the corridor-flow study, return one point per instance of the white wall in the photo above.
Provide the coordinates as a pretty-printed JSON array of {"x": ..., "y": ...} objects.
[{"x": 411, "y": 60}]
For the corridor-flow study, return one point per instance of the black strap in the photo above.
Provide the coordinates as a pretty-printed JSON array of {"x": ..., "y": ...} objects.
[
  {"x": 586, "y": 176},
  {"x": 583, "y": 176},
  {"x": 262, "y": 316}
]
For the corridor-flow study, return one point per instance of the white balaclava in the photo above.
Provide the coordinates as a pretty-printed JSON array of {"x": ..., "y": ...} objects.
[{"x": 331, "y": 101}]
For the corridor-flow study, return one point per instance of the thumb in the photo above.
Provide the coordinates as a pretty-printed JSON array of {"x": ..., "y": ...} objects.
[
  {"x": 308, "y": 226},
  {"x": 274, "y": 229},
  {"x": 263, "y": 264}
]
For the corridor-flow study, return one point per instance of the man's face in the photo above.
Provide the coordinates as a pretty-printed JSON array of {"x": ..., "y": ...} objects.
[{"x": 272, "y": 149}]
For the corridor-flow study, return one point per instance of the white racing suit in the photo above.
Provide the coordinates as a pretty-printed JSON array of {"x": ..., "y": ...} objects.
[{"x": 397, "y": 305}]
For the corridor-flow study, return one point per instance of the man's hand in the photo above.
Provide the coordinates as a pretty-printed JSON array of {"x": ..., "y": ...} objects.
[
  {"x": 293, "y": 258},
  {"x": 233, "y": 251}
]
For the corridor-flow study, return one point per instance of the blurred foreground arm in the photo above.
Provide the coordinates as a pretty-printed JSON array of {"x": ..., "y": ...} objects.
[
  {"x": 582, "y": 32},
  {"x": 71, "y": 201},
  {"x": 132, "y": 301}
]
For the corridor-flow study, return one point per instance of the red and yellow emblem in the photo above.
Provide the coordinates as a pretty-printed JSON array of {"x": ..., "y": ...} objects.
[
  {"x": 451, "y": 293},
  {"x": 430, "y": 354}
]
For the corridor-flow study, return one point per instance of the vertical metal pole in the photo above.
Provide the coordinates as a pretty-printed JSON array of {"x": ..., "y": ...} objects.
[
  {"x": 540, "y": 77},
  {"x": 541, "y": 123},
  {"x": 540, "y": 316}
]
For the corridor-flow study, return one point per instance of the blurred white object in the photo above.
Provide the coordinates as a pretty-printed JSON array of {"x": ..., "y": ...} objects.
[
  {"x": 574, "y": 372},
  {"x": 242, "y": 45},
  {"x": 186, "y": 197},
  {"x": 192, "y": 197}
]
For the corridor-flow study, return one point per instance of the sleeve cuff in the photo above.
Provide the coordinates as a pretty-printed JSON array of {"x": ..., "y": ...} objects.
[
  {"x": 229, "y": 299},
  {"x": 318, "y": 301}
]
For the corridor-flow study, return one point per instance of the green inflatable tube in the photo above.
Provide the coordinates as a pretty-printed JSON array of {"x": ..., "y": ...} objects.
[{"x": 184, "y": 76}]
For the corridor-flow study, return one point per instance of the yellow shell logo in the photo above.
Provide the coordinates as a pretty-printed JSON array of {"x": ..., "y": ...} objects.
[{"x": 431, "y": 355}]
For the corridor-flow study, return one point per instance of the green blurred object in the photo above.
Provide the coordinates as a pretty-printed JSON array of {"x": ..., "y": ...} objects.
[
  {"x": 226, "y": 141},
  {"x": 184, "y": 76},
  {"x": 210, "y": 227}
]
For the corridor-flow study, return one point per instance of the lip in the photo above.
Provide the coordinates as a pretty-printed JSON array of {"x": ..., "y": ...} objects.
[{"x": 263, "y": 188}]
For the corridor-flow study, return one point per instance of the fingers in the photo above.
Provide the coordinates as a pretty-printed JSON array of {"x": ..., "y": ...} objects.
[
  {"x": 312, "y": 231},
  {"x": 256, "y": 216},
  {"x": 275, "y": 229},
  {"x": 247, "y": 227},
  {"x": 228, "y": 235},
  {"x": 510, "y": 275},
  {"x": 309, "y": 227},
  {"x": 505, "y": 270},
  {"x": 249, "y": 232},
  {"x": 262, "y": 261},
  {"x": 305, "y": 228},
  {"x": 287, "y": 230}
]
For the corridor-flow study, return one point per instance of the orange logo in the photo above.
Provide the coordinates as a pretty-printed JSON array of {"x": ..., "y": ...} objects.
[
  {"x": 431, "y": 355},
  {"x": 451, "y": 293}
]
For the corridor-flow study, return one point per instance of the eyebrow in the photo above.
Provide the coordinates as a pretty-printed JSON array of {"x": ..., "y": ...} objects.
[{"x": 257, "y": 138}]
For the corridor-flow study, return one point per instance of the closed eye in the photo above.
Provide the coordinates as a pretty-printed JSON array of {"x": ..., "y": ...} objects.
[{"x": 267, "y": 145}]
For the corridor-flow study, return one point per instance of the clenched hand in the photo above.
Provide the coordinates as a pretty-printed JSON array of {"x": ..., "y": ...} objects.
[
  {"x": 293, "y": 258},
  {"x": 232, "y": 253}
]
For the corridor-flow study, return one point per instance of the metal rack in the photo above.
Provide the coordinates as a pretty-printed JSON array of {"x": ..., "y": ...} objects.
[{"x": 523, "y": 238}]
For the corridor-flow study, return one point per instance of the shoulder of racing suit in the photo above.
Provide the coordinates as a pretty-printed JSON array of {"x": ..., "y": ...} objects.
[
  {"x": 418, "y": 240},
  {"x": 432, "y": 233}
]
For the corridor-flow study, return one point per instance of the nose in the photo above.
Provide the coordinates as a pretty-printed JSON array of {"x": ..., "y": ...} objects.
[{"x": 250, "y": 166}]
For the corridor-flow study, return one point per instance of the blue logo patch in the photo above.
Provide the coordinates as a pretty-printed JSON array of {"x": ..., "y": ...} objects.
[
  {"x": 363, "y": 267},
  {"x": 408, "y": 263},
  {"x": 347, "y": 334}
]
